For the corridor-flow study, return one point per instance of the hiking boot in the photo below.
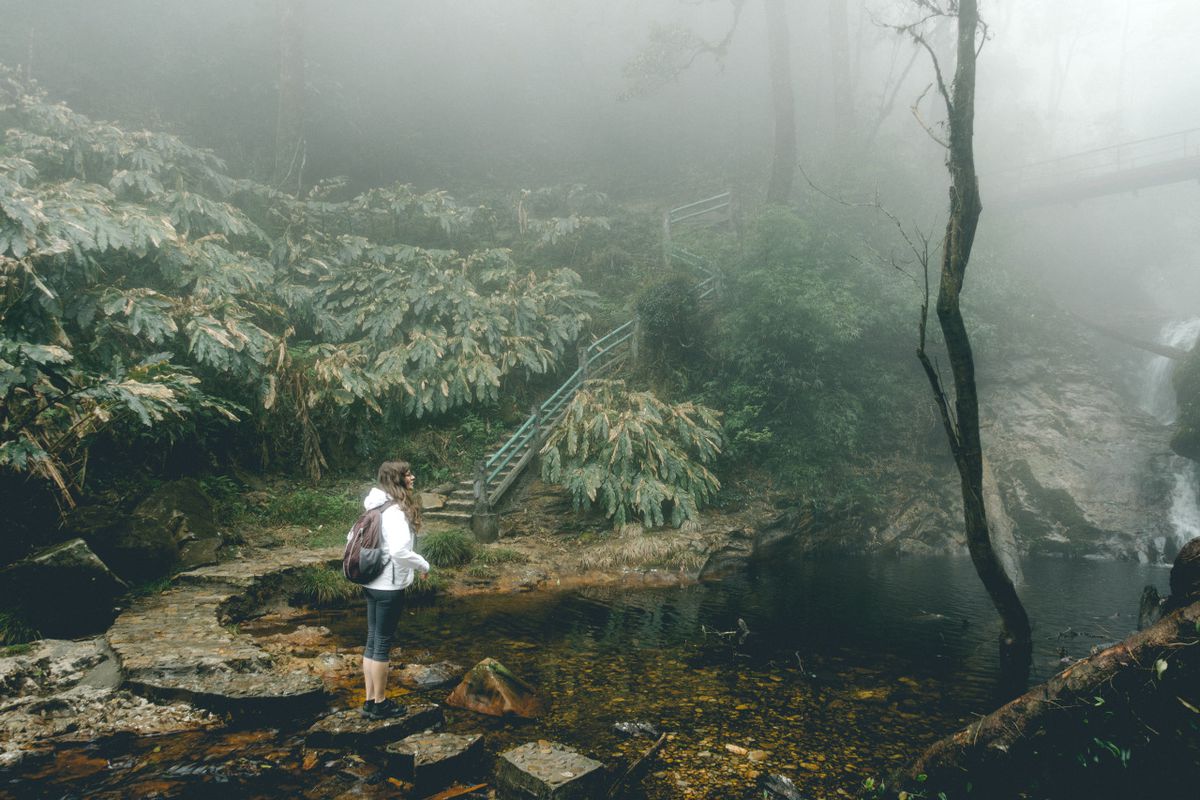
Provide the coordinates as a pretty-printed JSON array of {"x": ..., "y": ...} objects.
[{"x": 383, "y": 710}]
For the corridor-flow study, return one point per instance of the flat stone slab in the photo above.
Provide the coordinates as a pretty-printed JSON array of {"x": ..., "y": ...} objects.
[
  {"x": 173, "y": 646},
  {"x": 435, "y": 758},
  {"x": 548, "y": 771},
  {"x": 349, "y": 728}
]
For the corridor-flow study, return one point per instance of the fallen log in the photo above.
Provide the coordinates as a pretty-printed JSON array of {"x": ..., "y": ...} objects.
[{"x": 1122, "y": 722}]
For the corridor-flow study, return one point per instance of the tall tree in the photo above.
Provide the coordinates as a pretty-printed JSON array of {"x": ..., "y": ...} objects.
[
  {"x": 843, "y": 92},
  {"x": 783, "y": 165},
  {"x": 961, "y": 422},
  {"x": 289, "y": 121}
]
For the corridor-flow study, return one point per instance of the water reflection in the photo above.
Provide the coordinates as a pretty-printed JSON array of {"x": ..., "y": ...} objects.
[{"x": 850, "y": 668}]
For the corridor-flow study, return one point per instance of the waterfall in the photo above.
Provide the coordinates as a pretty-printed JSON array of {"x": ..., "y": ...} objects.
[{"x": 1159, "y": 400}]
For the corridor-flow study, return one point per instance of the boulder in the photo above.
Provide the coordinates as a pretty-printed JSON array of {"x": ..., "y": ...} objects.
[
  {"x": 424, "y": 676},
  {"x": 490, "y": 688},
  {"x": 174, "y": 526},
  {"x": 53, "y": 665},
  {"x": 434, "y": 759},
  {"x": 1185, "y": 576},
  {"x": 431, "y": 501},
  {"x": 63, "y": 591},
  {"x": 548, "y": 771},
  {"x": 349, "y": 729}
]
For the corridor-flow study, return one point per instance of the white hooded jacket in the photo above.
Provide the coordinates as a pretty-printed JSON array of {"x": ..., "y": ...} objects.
[{"x": 398, "y": 541}]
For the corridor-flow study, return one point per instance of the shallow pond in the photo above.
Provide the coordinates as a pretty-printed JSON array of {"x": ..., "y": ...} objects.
[{"x": 850, "y": 667}]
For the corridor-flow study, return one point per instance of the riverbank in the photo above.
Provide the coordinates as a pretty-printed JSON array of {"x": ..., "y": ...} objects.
[{"x": 177, "y": 660}]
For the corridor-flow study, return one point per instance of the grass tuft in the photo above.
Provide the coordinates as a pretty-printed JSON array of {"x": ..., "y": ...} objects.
[
  {"x": 500, "y": 555},
  {"x": 426, "y": 588},
  {"x": 15, "y": 628},
  {"x": 450, "y": 548},
  {"x": 645, "y": 550},
  {"x": 322, "y": 586}
]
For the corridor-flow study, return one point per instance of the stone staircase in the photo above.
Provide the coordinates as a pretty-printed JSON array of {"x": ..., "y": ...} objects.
[{"x": 461, "y": 501}]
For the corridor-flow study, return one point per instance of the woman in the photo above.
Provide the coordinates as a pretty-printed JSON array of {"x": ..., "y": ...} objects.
[{"x": 401, "y": 518}]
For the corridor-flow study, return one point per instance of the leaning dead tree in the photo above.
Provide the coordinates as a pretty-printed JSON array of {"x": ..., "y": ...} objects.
[{"x": 960, "y": 413}]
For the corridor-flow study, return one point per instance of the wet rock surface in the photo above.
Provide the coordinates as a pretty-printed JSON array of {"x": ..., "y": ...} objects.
[
  {"x": 349, "y": 729},
  {"x": 491, "y": 688},
  {"x": 430, "y": 759},
  {"x": 548, "y": 771},
  {"x": 183, "y": 644},
  {"x": 68, "y": 690},
  {"x": 424, "y": 676}
]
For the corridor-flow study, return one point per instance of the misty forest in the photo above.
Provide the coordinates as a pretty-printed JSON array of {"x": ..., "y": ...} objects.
[{"x": 763, "y": 399}]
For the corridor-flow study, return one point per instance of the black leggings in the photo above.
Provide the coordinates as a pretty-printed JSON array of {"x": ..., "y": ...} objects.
[{"x": 383, "y": 612}]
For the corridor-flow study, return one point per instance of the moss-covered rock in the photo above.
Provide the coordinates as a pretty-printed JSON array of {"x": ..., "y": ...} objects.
[{"x": 1186, "y": 440}]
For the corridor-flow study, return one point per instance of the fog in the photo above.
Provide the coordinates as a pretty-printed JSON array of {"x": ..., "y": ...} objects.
[{"x": 470, "y": 94}]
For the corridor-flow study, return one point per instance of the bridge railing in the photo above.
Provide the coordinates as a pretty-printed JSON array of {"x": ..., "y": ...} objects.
[{"x": 1181, "y": 146}]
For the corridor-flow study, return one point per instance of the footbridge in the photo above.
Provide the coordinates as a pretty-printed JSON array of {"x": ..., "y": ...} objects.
[{"x": 1116, "y": 169}]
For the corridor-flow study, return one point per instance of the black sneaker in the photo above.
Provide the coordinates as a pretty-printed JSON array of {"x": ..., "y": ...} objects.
[
  {"x": 383, "y": 710},
  {"x": 366, "y": 708}
]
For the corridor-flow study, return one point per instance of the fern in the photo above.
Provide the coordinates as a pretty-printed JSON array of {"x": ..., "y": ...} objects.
[{"x": 633, "y": 455}]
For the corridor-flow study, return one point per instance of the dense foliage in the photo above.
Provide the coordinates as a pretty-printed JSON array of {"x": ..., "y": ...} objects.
[
  {"x": 811, "y": 357},
  {"x": 634, "y": 455},
  {"x": 147, "y": 295}
]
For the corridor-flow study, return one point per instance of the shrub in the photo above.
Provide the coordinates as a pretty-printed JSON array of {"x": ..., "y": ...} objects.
[
  {"x": 449, "y": 548},
  {"x": 634, "y": 454},
  {"x": 312, "y": 508}
]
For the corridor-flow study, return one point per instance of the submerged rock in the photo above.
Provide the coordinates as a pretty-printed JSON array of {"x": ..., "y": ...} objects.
[
  {"x": 547, "y": 771},
  {"x": 349, "y": 729},
  {"x": 490, "y": 688},
  {"x": 424, "y": 676},
  {"x": 636, "y": 729},
  {"x": 778, "y": 787}
]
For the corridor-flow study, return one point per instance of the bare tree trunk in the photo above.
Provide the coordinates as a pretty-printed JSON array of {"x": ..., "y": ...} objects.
[
  {"x": 962, "y": 426},
  {"x": 783, "y": 167},
  {"x": 289, "y": 120},
  {"x": 843, "y": 93}
]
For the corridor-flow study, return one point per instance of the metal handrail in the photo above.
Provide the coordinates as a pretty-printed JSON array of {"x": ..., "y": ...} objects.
[{"x": 598, "y": 355}]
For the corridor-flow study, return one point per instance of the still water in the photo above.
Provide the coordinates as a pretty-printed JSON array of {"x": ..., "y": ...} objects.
[{"x": 850, "y": 667}]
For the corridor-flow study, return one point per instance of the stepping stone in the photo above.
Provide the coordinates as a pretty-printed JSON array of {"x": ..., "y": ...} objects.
[
  {"x": 423, "y": 676},
  {"x": 349, "y": 728},
  {"x": 548, "y": 771},
  {"x": 433, "y": 759}
]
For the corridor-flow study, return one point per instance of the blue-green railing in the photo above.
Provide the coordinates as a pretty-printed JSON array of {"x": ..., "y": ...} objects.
[{"x": 597, "y": 358}]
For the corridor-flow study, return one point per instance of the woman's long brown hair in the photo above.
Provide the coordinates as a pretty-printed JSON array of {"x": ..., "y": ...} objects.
[{"x": 391, "y": 479}]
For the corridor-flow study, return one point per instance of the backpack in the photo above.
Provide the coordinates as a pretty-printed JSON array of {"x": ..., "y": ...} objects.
[{"x": 364, "y": 557}]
